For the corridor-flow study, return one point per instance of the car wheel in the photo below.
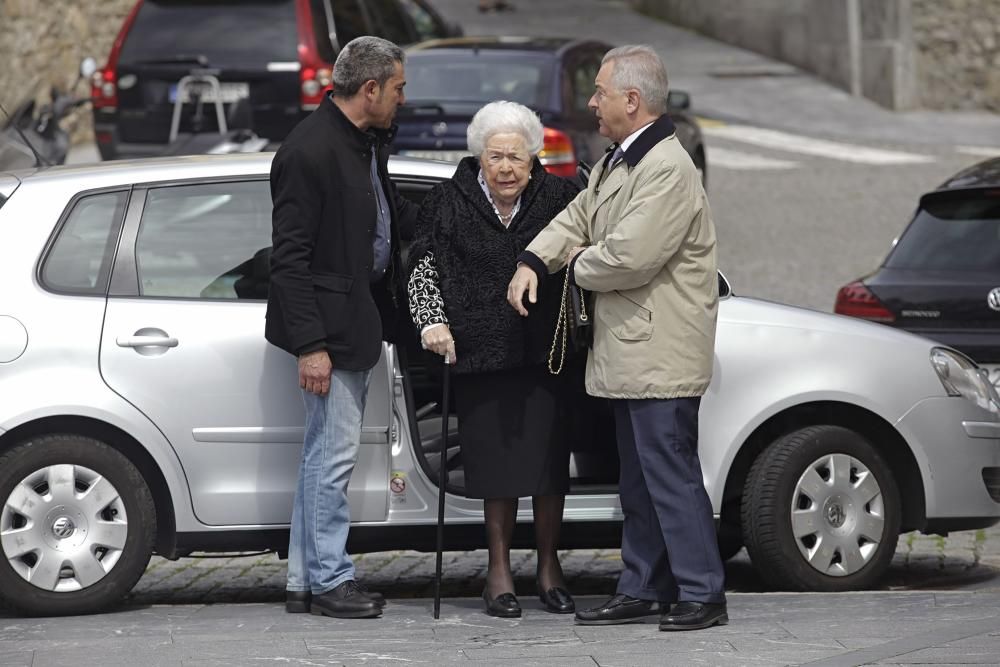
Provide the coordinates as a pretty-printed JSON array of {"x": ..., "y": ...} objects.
[
  {"x": 77, "y": 525},
  {"x": 821, "y": 511}
]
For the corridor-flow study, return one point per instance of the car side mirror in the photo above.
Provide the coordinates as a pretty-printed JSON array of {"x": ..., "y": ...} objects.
[
  {"x": 678, "y": 99},
  {"x": 87, "y": 67}
]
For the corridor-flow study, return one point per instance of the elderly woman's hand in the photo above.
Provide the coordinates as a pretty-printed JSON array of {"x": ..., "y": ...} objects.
[{"x": 438, "y": 339}]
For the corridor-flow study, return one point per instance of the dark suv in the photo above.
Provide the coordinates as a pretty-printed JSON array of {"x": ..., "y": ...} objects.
[{"x": 274, "y": 57}]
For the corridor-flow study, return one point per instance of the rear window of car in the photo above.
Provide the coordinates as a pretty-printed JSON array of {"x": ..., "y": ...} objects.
[
  {"x": 461, "y": 76},
  {"x": 952, "y": 232},
  {"x": 226, "y": 34}
]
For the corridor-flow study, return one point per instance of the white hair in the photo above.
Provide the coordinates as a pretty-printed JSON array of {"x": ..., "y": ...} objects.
[
  {"x": 499, "y": 117},
  {"x": 639, "y": 67}
]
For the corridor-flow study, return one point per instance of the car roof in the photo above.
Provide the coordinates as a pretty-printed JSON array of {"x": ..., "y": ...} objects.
[
  {"x": 191, "y": 167},
  {"x": 552, "y": 45},
  {"x": 985, "y": 174}
]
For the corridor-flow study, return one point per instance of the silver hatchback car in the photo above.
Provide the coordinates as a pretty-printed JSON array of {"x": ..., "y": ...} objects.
[{"x": 142, "y": 411}]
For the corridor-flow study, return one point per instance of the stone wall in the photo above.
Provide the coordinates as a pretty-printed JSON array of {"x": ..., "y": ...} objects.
[
  {"x": 903, "y": 54},
  {"x": 42, "y": 44},
  {"x": 957, "y": 53}
]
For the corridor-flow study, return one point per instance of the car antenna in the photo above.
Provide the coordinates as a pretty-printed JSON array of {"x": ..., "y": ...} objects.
[{"x": 39, "y": 160}]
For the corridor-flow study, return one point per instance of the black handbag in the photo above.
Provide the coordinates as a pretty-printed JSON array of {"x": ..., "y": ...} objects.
[{"x": 574, "y": 325}]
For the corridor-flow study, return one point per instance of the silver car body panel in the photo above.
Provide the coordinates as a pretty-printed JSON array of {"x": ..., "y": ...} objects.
[{"x": 221, "y": 414}]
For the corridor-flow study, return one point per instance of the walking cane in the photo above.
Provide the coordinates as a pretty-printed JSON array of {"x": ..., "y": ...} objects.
[{"x": 442, "y": 482}]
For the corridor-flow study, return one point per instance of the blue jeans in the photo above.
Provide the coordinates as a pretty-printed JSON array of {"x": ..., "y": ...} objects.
[{"x": 317, "y": 553}]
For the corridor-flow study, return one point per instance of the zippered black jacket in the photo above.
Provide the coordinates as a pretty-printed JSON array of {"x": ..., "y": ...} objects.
[{"x": 323, "y": 231}]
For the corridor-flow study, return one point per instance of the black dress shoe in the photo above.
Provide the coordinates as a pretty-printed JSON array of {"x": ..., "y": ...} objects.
[
  {"x": 694, "y": 616},
  {"x": 344, "y": 601},
  {"x": 557, "y": 600},
  {"x": 297, "y": 602},
  {"x": 376, "y": 597},
  {"x": 504, "y": 605},
  {"x": 619, "y": 609}
]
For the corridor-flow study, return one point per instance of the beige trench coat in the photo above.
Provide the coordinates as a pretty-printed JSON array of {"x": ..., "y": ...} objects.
[{"x": 652, "y": 266}]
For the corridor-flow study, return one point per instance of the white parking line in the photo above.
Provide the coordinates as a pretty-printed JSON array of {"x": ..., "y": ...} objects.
[
  {"x": 730, "y": 159},
  {"x": 794, "y": 143},
  {"x": 981, "y": 151}
]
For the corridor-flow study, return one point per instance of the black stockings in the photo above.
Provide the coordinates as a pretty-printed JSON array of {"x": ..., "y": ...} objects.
[{"x": 501, "y": 514}]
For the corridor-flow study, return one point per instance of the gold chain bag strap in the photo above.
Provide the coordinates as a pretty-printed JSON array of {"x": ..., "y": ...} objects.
[{"x": 573, "y": 325}]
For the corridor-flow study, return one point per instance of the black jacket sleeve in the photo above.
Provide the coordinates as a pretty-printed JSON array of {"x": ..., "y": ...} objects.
[{"x": 298, "y": 208}]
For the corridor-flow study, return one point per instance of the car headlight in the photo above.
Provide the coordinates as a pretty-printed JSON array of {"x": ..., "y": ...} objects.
[{"x": 961, "y": 377}]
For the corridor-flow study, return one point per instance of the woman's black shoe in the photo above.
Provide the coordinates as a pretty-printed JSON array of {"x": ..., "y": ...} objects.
[
  {"x": 557, "y": 600},
  {"x": 504, "y": 605}
]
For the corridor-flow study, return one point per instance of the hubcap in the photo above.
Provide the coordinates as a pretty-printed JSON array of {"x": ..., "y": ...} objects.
[
  {"x": 63, "y": 528},
  {"x": 838, "y": 515}
]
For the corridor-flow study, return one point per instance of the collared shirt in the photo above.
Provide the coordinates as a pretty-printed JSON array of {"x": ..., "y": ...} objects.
[
  {"x": 630, "y": 139},
  {"x": 381, "y": 248}
]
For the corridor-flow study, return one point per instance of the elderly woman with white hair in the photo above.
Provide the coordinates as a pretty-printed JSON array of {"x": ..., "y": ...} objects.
[{"x": 469, "y": 233}]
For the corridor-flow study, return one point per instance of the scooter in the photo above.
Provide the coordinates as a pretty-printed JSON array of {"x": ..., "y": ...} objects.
[{"x": 32, "y": 135}]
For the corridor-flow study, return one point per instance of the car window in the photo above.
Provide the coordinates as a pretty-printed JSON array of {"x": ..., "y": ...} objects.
[
  {"x": 205, "y": 241},
  {"x": 79, "y": 260},
  {"x": 425, "y": 23},
  {"x": 446, "y": 76},
  {"x": 391, "y": 22},
  {"x": 581, "y": 79},
  {"x": 349, "y": 22},
  {"x": 951, "y": 232},
  {"x": 253, "y": 33}
]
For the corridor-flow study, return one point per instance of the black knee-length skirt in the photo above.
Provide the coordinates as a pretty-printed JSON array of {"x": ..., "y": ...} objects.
[{"x": 511, "y": 430}]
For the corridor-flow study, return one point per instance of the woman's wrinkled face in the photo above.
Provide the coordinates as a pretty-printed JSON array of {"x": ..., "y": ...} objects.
[{"x": 506, "y": 165}]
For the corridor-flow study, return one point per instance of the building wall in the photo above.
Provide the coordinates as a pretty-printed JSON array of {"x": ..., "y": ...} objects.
[
  {"x": 903, "y": 54},
  {"x": 42, "y": 44},
  {"x": 957, "y": 53}
]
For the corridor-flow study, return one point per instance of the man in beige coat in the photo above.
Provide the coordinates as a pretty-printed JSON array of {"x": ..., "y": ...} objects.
[{"x": 640, "y": 237}]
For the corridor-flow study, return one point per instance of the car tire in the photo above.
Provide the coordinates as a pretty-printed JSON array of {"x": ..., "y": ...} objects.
[
  {"x": 821, "y": 511},
  {"x": 77, "y": 523}
]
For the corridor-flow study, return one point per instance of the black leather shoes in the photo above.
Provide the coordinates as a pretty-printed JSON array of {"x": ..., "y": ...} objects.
[
  {"x": 345, "y": 601},
  {"x": 619, "y": 609},
  {"x": 557, "y": 600},
  {"x": 376, "y": 597},
  {"x": 504, "y": 605},
  {"x": 694, "y": 616},
  {"x": 298, "y": 602}
]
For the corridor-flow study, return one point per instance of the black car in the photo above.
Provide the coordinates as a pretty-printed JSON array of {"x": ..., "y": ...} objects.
[
  {"x": 274, "y": 57},
  {"x": 942, "y": 277},
  {"x": 448, "y": 80}
]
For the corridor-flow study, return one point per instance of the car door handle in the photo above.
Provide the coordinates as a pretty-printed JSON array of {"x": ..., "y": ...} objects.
[{"x": 146, "y": 341}]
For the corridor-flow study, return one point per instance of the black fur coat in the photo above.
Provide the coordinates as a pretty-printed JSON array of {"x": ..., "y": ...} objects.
[{"x": 475, "y": 256}]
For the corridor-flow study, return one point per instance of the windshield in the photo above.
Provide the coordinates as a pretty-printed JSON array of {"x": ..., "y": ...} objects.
[
  {"x": 7, "y": 186},
  {"x": 952, "y": 231},
  {"x": 221, "y": 33},
  {"x": 461, "y": 76}
]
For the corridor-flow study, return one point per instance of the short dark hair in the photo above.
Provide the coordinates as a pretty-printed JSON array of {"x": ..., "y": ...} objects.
[{"x": 364, "y": 59}]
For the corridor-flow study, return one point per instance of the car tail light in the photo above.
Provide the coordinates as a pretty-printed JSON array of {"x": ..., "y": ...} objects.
[
  {"x": 104, "y": 83},
  {"x": 557, "y": 153},
  {"x": 856, "y": 300},
  {"x": 315, "y": 75}
]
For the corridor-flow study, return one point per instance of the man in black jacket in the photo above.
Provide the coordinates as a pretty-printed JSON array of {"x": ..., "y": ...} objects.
[{"x": 335, "y": 283}]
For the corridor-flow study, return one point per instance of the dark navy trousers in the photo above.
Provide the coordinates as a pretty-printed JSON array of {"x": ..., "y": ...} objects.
[{"x": 669, "y": 546}]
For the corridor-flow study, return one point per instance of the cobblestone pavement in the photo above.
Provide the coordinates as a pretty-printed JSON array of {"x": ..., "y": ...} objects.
[{"x": 968, "y": 559}]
